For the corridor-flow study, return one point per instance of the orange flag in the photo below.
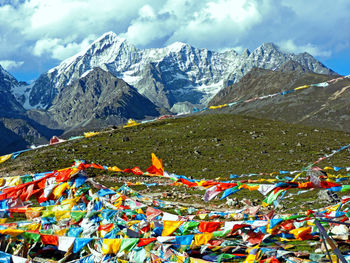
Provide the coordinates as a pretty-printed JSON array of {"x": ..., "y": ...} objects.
[{"x": 157, "y": 166}]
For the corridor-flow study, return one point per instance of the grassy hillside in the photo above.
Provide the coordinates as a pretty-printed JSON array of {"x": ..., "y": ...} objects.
[{"x": 201, "y": 146}]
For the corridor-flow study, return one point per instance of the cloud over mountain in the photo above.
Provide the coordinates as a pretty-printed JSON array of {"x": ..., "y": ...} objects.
[{"x": 42, "y": 32}]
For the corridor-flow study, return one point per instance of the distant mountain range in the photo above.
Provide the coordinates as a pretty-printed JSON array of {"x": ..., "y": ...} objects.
[
  {"x": 111, "y": 81},
  {"x": 176, "y": 74}
]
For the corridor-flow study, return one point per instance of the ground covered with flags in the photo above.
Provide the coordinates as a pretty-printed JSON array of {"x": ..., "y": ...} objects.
[
  {"x": 65, "y": 215},
  {"x": 257, "y": 191}
]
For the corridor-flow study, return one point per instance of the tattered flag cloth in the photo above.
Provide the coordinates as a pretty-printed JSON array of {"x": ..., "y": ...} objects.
[{"x": 80, "y": 220}]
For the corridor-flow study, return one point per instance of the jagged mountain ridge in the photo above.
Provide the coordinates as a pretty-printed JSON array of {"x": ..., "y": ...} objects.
[
  {"x": 96, "y": 100},
  {"x": 9, "y": 106},
  {"x": 326, "y": 107},
  {"x": 17, "y": 131},
  {"x": 173, "y": 75}
]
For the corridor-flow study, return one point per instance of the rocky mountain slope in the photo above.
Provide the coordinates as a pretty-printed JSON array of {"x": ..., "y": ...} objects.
[
  {"x": 98, "y": 99},
  {"x": 9, "y": 106},
  {"x": 174, "y": 75},
  {"x": 315, "y": 106},
  {"x": 17, "y": 131},
  {"x": 112, "y": 81}
]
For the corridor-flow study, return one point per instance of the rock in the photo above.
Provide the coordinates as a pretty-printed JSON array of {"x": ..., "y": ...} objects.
[
  {"x": 341, "y": 232},
  {"x": 125, "y": 139}
]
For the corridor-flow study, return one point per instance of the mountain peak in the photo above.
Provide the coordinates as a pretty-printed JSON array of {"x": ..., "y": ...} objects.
[
  {"x": 6, "y": 75},
  {"x": 103, "y": 50},
  {"x": 176, "y": 46},
  {"x": 269, "y": 45},
  {"x": 109, "y": 36},
  {"x": 246, "y": 52}
]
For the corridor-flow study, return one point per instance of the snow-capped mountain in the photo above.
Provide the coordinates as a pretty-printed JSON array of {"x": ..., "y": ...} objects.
[
  {"x": 9, "y": 105},
  {"x": 17, "y": 131},
  {"x": 170, "y": 76}
]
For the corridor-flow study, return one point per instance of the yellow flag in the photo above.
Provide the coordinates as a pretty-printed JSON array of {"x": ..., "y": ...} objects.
[
  {"x": 59, "y": 215},
  {"x": 32, "y": 226},
  {"x": 111, "y": 246},
  {"x": 71, "y": 201},
  {"x": 114, "y": 169},
  {"x": 254, "y": 255},
  {"x": 4, "y": 158},
  {"x": 302, "y": 87},
  {"x": 13, "y": 181},
  {"x": 58, "y": 191},
  {"x": 334, "y": 208},
  {"x": 299, "y": 232},
  {"x": 202, "y": 216},
  {"x": 170, "y": 226},
  {"x": 202, "y": 239},
  {"x": 61, "y": 232},
  {"x": 90, "y": 134},
  {"x": 198, "y": 260},
  {"x": 11, "y": 232},
  {"x": 131, "y": 123}
]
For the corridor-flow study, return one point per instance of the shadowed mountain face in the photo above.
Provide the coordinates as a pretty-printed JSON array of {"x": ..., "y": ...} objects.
[
  {"x": 9, "y": 140},
  {"x": 97, "y": 100},
  {"x": 327, "y": 107},
  {"x": 9, "y": 106},
  {"x": 17, "y": 131}
]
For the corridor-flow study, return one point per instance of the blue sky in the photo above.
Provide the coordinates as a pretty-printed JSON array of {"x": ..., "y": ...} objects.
[{"x": 35, "y": 35}]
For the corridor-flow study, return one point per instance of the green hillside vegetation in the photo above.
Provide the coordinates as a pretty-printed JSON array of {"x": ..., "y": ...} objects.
[{"x": 201, "y": 146}]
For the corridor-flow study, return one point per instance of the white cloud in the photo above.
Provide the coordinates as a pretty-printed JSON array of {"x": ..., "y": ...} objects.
[
  {"x": 60, "y": 48},
  {"x": 146, "y": 12},
  {"x": 240, "y": 12},
  {"x": 55, "y": 29},
  {"x": 62, "y": 18},
  {"x": 211, "y": 24},
  {"x": 290, "y": 46},
  {"x": 43, "y": 46},
  {"x": 10, "y": 64}
]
